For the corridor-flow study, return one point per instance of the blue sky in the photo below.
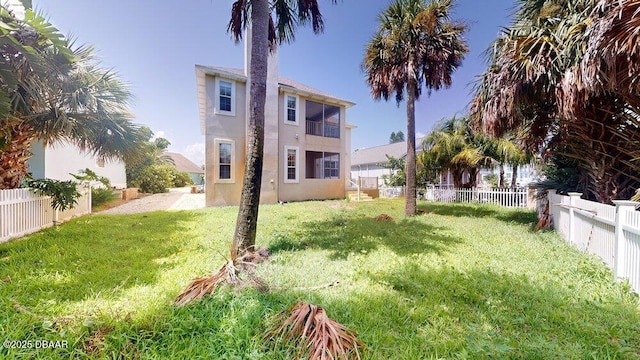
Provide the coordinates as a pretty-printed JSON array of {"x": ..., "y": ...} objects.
[{"x": 154, "y": 45}]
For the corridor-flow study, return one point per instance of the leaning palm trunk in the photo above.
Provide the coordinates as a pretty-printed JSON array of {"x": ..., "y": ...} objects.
[
  {"x": 245, "y": 234},
  {"x": 15, "y": 154},
  {"x": 410, "y": 195}
]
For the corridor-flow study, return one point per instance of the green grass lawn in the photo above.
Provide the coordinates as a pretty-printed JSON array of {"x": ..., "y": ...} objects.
[{"x": 459, "y": 281}]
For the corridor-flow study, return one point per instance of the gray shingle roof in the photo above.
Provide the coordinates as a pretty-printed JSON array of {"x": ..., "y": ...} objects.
[
  {"x": 184, "y": 164},
  {"x": 376, "y": 155}
]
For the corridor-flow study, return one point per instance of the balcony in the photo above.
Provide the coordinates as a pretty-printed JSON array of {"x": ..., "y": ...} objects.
[{"x": 317, "y": 128}]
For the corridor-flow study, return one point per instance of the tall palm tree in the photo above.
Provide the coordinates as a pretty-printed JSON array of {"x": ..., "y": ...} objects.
[
  {"x": 416, "y": 43},
  {"x": 272, "y": 22}
]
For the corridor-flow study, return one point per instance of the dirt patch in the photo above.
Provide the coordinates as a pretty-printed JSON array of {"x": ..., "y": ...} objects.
[
  {"x": 94, "y": 345},
  {"x": 384, "y": 217}
]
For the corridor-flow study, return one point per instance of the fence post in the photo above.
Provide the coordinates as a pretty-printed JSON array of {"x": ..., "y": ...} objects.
[
  {"x": 573, "y": 196},
  {"x": 622, "y": 207},
  {"x": 531, "y": 198}
]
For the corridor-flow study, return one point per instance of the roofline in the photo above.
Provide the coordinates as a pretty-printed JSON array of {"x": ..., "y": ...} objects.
[{"x": 315, "y": 96}]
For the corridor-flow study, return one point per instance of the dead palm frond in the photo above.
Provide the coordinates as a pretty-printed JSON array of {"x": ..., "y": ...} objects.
[
  {"x": 316, "y": 336},
  {"x": 227, "y": 274}
]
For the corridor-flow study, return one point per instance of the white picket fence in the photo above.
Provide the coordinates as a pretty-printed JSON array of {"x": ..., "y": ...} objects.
[
  {"x": 521, "y": 197},
  {"x": 22, "y": 212},
  {"x": 609, "y": 232}
]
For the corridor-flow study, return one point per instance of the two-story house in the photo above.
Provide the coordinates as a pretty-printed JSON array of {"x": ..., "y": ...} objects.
[{"x": 307, "y": 138}]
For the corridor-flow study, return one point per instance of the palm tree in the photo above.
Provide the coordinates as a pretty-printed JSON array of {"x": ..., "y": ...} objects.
[
  {"x": 81, "y": 104},
  {"x": 566, "y": 73},
  {"x": 416, "y": 43},
  {"x": 454, "y": 147},
  {"x": 265, "y": 33}
]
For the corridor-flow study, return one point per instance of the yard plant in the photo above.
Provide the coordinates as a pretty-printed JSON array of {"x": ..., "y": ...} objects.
[{"x": 457, "y": 281}]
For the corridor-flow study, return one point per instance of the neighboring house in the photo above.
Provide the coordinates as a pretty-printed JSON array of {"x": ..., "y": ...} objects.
[
  {"x": 369, "y": 162},
  {"x": 307, "y": 137},
  {"x": 60, "y": 160},
  {"x": 185, "y": 165}
]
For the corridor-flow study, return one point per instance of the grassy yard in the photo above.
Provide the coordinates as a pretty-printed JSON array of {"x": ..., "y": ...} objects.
[{"x": 459, "y": 281}]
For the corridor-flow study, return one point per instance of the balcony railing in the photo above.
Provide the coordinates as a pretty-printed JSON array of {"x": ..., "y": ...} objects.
[{"x": 319, "y": 129}]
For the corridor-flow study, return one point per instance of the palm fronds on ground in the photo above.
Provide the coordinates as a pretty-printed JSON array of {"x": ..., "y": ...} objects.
[
  {"x": 229, "y": 274},
  {"x": 314, "y": 334}
]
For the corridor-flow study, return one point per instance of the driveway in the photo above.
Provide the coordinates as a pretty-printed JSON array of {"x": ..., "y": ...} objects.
[{"x": 175, "y": 199}]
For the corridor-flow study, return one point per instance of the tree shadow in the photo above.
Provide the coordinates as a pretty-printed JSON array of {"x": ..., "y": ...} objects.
[
  {"x": 518, "y": 216},
  {"x": 485, "y": 314},
  {"x": 91, "y": 255},
  {"x": 347, "y": 235}
]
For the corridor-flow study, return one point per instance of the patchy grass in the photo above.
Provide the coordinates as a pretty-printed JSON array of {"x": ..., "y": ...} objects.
[{"x": 459, "y": 281}]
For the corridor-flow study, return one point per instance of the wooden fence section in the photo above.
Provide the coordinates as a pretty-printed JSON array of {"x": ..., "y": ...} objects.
[
  {"x": 609, "y": 232},
  {"x": 521, "y": 197},
  {"x": 22, "y": 212}
]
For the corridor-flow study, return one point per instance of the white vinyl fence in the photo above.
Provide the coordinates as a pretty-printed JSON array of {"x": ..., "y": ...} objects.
[
  {"x": 521, "y": 197},
  {"x": 23, "y": 212},
  {"x": 610, "y": 232}
]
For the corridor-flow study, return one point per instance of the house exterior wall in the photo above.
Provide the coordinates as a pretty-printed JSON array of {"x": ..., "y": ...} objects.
[
  {"x": 58, "y": 161},
  {"x": 295, "y": 136},
  {"x": 224, "y": 128}
]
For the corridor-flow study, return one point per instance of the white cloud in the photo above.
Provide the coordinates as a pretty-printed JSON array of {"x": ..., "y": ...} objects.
[
  {"x": 420, "y": 135},
  {"x": 160, "y": 134},
  {"x": 195, "y": 153}
]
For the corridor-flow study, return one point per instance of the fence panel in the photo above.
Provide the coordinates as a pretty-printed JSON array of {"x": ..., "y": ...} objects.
[
  {"x": 503, "y": 197},
  {"x": 632, "y": 253},
  {"x": 22, "y": 212},
  {"x": 595, "y": 228}
]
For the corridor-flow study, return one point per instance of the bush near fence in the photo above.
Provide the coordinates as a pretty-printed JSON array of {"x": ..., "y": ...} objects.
[{"x": 23, "y": 212}]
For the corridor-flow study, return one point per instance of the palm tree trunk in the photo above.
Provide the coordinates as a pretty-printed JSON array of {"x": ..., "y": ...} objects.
[
  {"x": 501, "y": 179},
  {"x": 244, "y": 238},
  {"x": 410, "y": 194},
  {"x": 514, "y": 175},
  {"x": 14, "y": 155}
]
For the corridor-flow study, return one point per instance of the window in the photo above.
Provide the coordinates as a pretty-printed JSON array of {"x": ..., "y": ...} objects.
[
  {"x": 291, "y": 164},
  {"x": 322, "y": 119},
  {"x": 290, "y": 109},
  {"x": 322, "y": 165},
  {"x": 225, "y": 99},
  {"x": 224, "y": 157}
]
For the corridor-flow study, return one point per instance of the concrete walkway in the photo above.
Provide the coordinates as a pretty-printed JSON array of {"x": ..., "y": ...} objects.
[{"x": 175, "y": 199}]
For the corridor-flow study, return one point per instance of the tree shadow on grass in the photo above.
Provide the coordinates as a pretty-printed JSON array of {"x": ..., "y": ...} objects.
[
  {"x": 91, "y": 255},
  {"x": 518, "y": 216},
  {"x": 485, "y": 314},
  {"x": 344, "y": 236},
  {"x": 409, "y": 313}
]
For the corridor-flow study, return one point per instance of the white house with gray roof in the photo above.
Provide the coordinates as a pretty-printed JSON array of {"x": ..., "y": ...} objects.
[{"x": 307, "y": 137}]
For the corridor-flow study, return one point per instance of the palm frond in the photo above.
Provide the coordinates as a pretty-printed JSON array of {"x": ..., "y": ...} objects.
[{"x": 314, "y": 334}]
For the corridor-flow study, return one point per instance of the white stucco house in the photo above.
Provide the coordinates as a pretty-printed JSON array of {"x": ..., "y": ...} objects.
[
  {"x": 307, "y": 137},
  {"x": 62, "y": 159}
]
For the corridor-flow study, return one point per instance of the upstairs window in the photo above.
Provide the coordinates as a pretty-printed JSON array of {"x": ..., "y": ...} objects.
[
  {"x": 291, "y": 109},
  {"x": 225, "y": 98}
]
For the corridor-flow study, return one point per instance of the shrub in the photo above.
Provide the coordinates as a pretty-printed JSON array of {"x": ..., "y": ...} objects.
[
  {"x": 100, "y": 196},
  {"x": 181, "y": 178},
  {"x": 156, "y": 179}
]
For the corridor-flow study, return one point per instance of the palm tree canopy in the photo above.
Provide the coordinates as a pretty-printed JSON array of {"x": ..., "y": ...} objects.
[
  {"x": 286, "y": 15},
  {"x": 417, "y": 41}
]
